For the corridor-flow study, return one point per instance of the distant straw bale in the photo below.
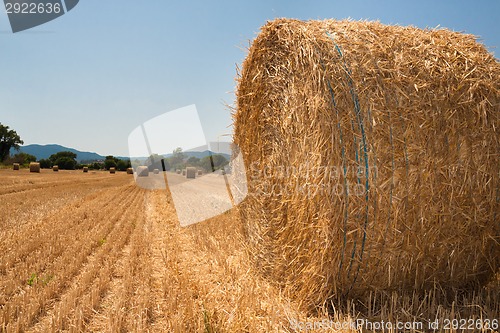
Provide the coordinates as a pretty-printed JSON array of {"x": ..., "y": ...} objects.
[
  {"x": 191, "y": 172},
  {"x": 35, "y": 167},
  {"x": 142, "y": 171}
]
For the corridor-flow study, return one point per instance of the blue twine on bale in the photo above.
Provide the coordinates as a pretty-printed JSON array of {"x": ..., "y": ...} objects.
[{"x": 359, "y": 118}]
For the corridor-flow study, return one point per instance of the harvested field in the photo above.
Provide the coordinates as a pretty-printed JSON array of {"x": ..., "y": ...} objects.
[{"x": 96, "y": 253}]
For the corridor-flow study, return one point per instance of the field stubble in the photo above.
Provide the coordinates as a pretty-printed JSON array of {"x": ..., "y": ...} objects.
[{"x": 93, "y": 252}]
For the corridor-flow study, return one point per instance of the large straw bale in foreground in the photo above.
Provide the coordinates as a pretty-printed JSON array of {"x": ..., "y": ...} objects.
[{"x": 372, "y": 156}]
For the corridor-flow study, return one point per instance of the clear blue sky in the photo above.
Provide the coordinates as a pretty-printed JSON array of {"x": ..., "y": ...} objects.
[{"x": 88, "y": 78}]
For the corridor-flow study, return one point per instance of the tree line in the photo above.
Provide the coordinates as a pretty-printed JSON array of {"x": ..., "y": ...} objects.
[
  {"x": 179, "y": 160},
  {"x": 66, "y": 160}
]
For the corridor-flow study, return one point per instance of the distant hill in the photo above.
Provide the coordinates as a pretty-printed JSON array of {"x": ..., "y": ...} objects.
[
  {"x": 44, "y": 151},
  {"x": 201, "y": 154}
]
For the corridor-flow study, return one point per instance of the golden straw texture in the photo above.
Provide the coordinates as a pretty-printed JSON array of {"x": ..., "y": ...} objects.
[{"x": 372, "y": 156}]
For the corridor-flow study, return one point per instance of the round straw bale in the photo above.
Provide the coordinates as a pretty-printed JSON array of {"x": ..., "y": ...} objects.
[
  {"x": 372, "y": 157},
  {"x": 15, "y": 166},
  {"x": 191, "y": 172},
  {"x": 130, "y": 171},
  {"x": 178, "y": 171},
  {"x": 85, "y": 169},
  {"x": 35, "y": 167},
  {"x": 156, "y": 171},
  {"x": 200, "y": 172},
  {"x": 112, "y": 170},
  {"x": 55, "y": 168},
  {"x": 142, "y": 171}
]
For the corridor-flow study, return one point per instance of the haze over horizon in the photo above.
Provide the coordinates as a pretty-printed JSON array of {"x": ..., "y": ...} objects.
[
  {"x": 222, "y": 147},
  {"x": 88, "y": 78}
]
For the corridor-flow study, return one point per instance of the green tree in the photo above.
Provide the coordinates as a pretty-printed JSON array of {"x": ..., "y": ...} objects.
[
  {"x": 213, "y": 162},
  {"x": 96, "y": 166},
  {"x": 177, "y": 156},
  {"x": 21, "y": 158},
  {"x": 65, "y": 160},
  {"x": 45, "y": 163},
  {"x": 154, "y": 162},
  {"x": 56, "y": 156},
  {"x": 122, "y": 165},
  {"x": 8, "y": 139},
  {"x": 111, "y": 157},
  {"x": 109, "y": 162},
  {"x": 65, "y": 163},
  {"x": 176, "y": 161},
  {"x": 193, "y": 161}
]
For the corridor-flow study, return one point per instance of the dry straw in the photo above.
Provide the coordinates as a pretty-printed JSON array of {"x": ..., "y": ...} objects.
[
  {"x": 191, "y": 172},
  {"x": 55, "y": 168},
  {"x": 178, "y": 171},
  {"x": 112, "y": 170},
  {"x": 183, "y": 172},
  {"x": 85, "y": 169},
  {"x": 372, "y": 157},
  {"x": 15, "y": 166},
  {"x": 200, "y": 172},
  {"x": 156, "y": 171},
  {"x": 130, "y": 171},
  {"x": 142, "y": 171},
  {"x": 35, "y": 167}
]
